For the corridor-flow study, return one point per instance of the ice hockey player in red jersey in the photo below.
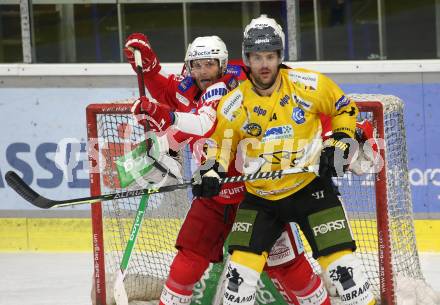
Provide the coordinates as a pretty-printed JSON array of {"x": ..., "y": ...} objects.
[{"x": 189, "y": 106}]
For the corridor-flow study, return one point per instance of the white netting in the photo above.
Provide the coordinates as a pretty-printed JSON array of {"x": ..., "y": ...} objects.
[
  {"x": 405, "y": 259},
  {"x": 164, "y": 215}
]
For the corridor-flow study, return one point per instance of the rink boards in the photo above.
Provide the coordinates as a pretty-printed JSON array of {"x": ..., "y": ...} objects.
[{"x": 75, "y": 235}]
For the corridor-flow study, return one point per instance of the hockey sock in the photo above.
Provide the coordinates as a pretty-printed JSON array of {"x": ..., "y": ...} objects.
[
  {"x": 250, "y": 260},
  {"x": 346, "y": 273},
  {"x": 243, "y": 274},
  {"x": 186, "y": 270},
  {"x": 302, "y": 284},
  {"x": 276, "y": 275}
]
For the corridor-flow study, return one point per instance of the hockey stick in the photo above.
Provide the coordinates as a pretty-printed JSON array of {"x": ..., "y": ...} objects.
[
  {"x": 19, "y": 186},
  {"x": 119, "y": 292}
]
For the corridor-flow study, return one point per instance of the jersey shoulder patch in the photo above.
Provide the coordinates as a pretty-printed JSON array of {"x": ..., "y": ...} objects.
[
  {"x": 214, "y": 92},
  {"x": 342, "y": 102},
  {"x": 231, "y": 103},
  {"x": 185, "y": 84}
]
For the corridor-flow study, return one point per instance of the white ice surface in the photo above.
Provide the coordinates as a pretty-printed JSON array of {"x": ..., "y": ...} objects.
[{"x": 66, "y": 278}]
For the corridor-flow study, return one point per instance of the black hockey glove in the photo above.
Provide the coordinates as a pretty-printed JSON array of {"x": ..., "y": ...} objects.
[
  {"x": 206, "y": 181},
  {"x": 336, "y": 155}
]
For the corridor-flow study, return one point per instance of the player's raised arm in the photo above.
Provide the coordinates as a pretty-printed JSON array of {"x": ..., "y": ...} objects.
[{"x": 172, "y": 90}]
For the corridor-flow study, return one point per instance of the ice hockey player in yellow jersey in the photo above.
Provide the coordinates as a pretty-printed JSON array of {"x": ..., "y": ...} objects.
[
  {"x": 282, "y": 130},
  {"x": 272, "y": 122}
]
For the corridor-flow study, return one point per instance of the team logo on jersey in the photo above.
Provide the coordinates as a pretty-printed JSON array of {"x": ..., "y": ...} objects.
[
  {"x": 284, "y": 100},
  {"x": 185, "y": 84},
  {"x": 232, "y": 104},
  {"x": 308, "y": 80},
  {"x": 214, "y": 92},
  {"x": 342, "y": 102},
  {"x": 260, "y": 111},
  {"x": 253, "y": 129},
  {"x": 298, "y": 115},
  {"x": 305, "y": 104},
  {"x": 278, "y": 133}
]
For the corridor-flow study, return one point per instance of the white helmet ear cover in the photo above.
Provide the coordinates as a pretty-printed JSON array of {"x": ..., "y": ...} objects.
[
  {"x": 207, "y": 47},
  {"x": 262, "y": 34}
]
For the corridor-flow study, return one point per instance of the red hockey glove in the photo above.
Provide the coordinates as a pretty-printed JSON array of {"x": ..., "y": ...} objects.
[
  {"x": 364, "y": 131},
  {"x": 150, "y": 62},
  {"x": 368, "y": 156},
  {"x": 159, "y": 116}
]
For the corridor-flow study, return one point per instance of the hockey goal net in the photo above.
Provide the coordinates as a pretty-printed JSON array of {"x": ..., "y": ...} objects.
[{"x": 378, "y": 205}]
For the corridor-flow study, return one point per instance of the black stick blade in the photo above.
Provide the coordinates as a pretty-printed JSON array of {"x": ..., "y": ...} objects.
[{"x": 22, "y": 189}]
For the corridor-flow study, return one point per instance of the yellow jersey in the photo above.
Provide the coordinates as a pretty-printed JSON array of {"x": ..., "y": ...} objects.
[{"x": 268, "y": 133}]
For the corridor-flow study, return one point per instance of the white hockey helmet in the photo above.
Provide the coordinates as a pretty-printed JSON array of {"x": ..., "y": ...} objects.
[
  {"x": 262, "y": 34},
  {"x": 206, "y": 47}
]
